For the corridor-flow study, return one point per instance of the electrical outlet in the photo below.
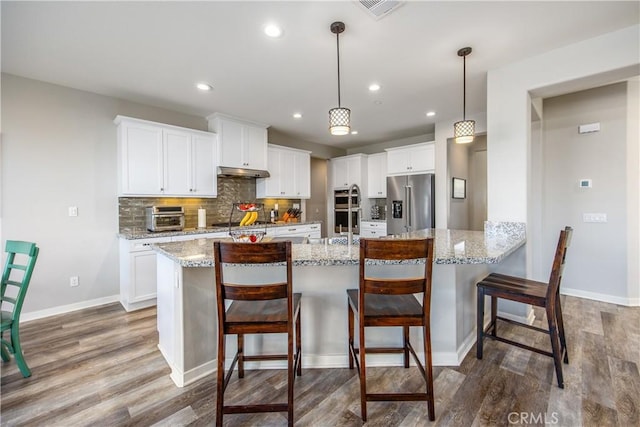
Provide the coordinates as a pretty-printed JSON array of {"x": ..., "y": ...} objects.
[
  {"x": 74, "y": 281},
  {"x": 73, "y": 211}
]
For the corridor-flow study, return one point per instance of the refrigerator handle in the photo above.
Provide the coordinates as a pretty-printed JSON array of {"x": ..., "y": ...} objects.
[{"x": 408, "y": 197}]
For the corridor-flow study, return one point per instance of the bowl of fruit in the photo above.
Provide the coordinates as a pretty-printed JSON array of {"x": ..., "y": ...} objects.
[{"x": 247, "y": 236}]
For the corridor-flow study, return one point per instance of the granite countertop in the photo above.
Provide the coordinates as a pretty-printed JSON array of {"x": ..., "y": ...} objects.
[
  {"x": 491, "y": 246},
  {"x": 143, "y": 233}
]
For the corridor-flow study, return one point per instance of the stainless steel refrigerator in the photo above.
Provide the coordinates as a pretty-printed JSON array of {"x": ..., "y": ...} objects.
[{"x": 410, "y": 203}]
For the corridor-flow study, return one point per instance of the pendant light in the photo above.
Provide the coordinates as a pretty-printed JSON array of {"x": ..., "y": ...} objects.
[
  {"x": 339, "y": 118},
  {"x": 463, "y": 131}
]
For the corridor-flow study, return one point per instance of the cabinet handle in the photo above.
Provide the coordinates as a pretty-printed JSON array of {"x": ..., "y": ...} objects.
[{"x": 161, "y": 189}]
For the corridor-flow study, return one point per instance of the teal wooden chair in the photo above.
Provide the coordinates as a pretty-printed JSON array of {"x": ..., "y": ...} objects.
[{"x": 11, "y": 302}]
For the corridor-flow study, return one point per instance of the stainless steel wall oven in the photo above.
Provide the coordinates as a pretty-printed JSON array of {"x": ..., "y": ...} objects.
[{"x": 341, "y": 211}]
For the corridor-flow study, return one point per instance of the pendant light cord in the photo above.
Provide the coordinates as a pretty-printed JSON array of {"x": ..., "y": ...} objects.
[
  {"x": 338, "y": 55},
  {"x": 464, "y": 87}
]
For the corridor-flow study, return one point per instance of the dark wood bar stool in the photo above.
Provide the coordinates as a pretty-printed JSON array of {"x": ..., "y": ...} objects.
[
  {"x": 526, "y": 291},
  {"x": 390, "y": 302},
  {"x": 256, "y": 309}
]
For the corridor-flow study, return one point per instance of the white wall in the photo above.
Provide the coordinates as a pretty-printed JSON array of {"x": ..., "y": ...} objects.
[
  {"x": 59, "y": 150},
  {"x": 579, "y": 66},
  {"x": 633, "y": 191},
  {"x": 597, "y": 262},
  {"x": 444, "y": 132}
]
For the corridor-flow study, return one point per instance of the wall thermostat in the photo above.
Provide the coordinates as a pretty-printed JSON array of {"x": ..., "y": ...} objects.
[{"x": 585, "y": 183}]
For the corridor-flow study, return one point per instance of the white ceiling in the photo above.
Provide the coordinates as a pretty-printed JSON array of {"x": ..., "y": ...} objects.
[{"x": 154, "y": 53}]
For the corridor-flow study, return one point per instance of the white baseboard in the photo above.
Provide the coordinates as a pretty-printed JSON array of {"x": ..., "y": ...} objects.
[
  {"x": 527, "y": 320},
  {"x": 33, "y": 315},
  {"x": 133, "y": 306},
  {"x": 629, "y": 302},
  {"x": 182, "y": 379}
]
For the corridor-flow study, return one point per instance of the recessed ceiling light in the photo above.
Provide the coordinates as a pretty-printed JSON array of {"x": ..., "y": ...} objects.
[
  {"x": 431, "y": 113},
  {"x": 297, "y": 115},
  {"x": 204, "y": 86},
  {"x": 273, "y": 30},
  {"x": 374, "y": 87},
  {"x": 354, "y": 132}
]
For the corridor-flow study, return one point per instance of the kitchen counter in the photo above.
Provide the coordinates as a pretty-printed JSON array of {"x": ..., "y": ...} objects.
[
  {"x": 143, "y": 233},
  {"x": 498, "y": 241},
  {"x": 322, "y": 273}
]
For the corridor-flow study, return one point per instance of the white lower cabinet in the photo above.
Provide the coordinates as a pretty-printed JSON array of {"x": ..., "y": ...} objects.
[
  {"x": 138, "y": 268},
  {"x": 302, "y": 230},
  {"x": 138, "y": 277},
  {"x": 373, "y": 229}
]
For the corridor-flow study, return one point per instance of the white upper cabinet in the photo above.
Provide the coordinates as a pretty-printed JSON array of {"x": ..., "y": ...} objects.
[
  {"x": 163, "y": 160},
  {"x": 290, "y": 171},
  {"x": 140, "y": 158},
  {"x": 377, "y": 175},
  {"x": 349, "y": 170},
  {"x": 411, "y": 159},
  {"x": 242, "y": 144}
]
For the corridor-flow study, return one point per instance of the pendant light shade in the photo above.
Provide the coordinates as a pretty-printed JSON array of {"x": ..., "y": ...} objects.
[
  {"x": 464, "y": 130},
  {"x": 339, "y": 117},
  {"x": 339, "y": 121}
]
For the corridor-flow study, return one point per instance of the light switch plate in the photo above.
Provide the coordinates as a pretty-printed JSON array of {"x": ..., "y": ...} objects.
[
  {"x": 594, "y": 217},
  {"x": 588, "y": 128}
]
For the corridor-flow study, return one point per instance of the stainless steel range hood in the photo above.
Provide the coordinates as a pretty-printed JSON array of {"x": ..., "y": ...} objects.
[{"x": 241, "y": 172}]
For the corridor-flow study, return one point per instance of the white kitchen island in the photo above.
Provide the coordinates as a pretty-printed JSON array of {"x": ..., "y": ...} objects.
[{"x": 322, "y": 273}]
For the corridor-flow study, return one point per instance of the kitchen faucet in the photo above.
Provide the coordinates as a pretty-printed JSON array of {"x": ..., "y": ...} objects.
[{"x": 350, "y": 206}]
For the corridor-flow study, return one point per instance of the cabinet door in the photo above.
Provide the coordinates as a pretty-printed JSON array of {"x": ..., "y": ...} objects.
[
  {"x": 143, "y": 275},
  {"x": 204, "y": 180},
  {"x": 397, "y": 162},
  {"x": 339, "y": 167},
  {"x": 302, "y": 175},
  {"x": 177, "y": 162},
  {"x": 254, "y": 147},
  {"x": 354, "y": 171},
  {"x": 377, "y": 175},
  {"x": 141, "y": 159},
  {"x": 422, "y": 158},
  {"x": 270, "y": 187},
  {"x": 231, "y": 140},
  {"x": 288, "y": 174}
]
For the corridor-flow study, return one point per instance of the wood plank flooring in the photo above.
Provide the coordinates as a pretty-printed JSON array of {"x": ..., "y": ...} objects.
[{"x": 101, "y": 367}]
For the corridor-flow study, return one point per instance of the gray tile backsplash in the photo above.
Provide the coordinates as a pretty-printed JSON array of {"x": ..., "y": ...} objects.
[{"x": 131, "y": 210}]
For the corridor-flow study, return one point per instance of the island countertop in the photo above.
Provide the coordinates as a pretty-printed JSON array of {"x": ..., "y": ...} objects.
[
  {"x": 491, "y": 246},
  {"x": 143, "y": 233}
]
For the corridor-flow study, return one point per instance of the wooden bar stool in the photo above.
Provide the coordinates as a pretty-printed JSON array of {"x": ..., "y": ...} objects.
[
  {"x": 256, "y": 309},
  {"x": 526, "y": 291},
  {"x": 390, "y": 302}
]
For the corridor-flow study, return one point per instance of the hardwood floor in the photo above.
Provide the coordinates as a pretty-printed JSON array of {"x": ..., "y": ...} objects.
[{"x": 101, "y": 367}]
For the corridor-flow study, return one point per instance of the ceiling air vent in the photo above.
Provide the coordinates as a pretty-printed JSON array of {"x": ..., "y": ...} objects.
[{"x": 379, "y": 8}]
